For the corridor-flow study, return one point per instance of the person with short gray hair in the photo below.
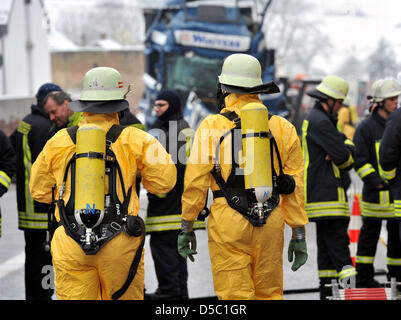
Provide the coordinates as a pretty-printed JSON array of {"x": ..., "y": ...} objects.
[{"x": 56, "y": 105}]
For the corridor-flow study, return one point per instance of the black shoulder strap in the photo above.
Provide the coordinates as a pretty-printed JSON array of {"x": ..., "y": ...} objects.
[
  {"x": 230, "y": 115},
  {"x": 114, "y": 132},
  {"x": 112, "y": 135},
  {"x": 233, "y": 179},
  {"x": 72, "y": 131}
]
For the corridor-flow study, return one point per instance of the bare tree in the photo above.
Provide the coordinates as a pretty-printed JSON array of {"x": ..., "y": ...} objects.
[
  {"x": 382, "y": 62},
  {"x": 352, "y": 69},
  {"x": 292, "y": 30},
  {"x": 119, "y": 21}
]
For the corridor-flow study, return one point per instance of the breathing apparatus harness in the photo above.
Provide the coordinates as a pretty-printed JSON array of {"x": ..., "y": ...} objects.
[
  {"x": 239, "y": 198},
  {"x": 116, "y": 216}
]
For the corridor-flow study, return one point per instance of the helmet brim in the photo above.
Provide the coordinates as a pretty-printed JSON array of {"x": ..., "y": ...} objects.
[
  {"x": 266, "y": 88},
  {"x": 106, "y": 107},
  {"x": 317, "y": 94}
]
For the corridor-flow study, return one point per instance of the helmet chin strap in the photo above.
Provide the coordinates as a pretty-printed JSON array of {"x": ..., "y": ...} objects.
[
  {"x": 330, "y": 106},
  {"x": 221, "y": 96}
]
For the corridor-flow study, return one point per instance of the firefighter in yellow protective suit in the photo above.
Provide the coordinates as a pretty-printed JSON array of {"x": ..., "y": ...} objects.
[
  {"x": 344, "y": 123},
  {"x": 245, "y": 252},
  {"x": 103, "y": 261}
]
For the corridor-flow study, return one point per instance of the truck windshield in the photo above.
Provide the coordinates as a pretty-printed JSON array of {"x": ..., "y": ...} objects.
[{"x": 192, "y": 72}]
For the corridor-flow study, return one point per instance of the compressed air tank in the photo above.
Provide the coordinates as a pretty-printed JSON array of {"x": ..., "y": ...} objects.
[
  {"x": 90, "y": 175},
  {"x": 256, "y": 150}
]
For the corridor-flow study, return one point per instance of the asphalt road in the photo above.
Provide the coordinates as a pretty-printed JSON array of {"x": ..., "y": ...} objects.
[{"x": 200, "y": 284}]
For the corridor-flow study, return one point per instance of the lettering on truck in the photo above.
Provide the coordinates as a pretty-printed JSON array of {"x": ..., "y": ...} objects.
[{"x": 212, "y": 40}]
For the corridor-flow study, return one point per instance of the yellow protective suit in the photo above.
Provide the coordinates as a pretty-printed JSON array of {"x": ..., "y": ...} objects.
[
  {"x": 81, "y": 276},
  {"x": 344, "y": 122},
  {"x": 246, "y": 260}
]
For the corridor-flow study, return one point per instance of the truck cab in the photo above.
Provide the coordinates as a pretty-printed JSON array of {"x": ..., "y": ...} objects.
[{"x": 185, "y": 46}]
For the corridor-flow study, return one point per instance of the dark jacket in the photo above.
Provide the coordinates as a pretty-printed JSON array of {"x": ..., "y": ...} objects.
[
  {"x": 324, "y": 189},
  {"x": 164, "y": 211},
  {"x": 28, "y": 140},
  {"x": 375, "y": 203},
  {"x": 129, "y": 119},
  {"x": 7, "y": 165},
  {"x": 390, "y": 157}
]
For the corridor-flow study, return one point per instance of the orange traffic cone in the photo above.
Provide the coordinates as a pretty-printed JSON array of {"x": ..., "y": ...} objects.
[{"x": 354, "y": 227}]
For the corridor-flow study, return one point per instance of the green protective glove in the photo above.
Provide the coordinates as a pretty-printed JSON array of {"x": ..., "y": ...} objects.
[
  {"x": 187, "y": 245},
  {"x": 297, "y": 247}
]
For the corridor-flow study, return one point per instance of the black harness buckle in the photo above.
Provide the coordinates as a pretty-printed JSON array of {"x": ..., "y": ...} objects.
[{"x": 115, "y": 226}]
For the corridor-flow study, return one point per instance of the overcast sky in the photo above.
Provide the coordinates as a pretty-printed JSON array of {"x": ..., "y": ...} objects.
[
  {"x": 348, "y": 32},
  {"x": 351, "y": 34}
]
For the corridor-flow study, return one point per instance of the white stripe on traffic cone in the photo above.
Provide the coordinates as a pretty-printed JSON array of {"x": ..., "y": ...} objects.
[{"x": 354, "y": 227}]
